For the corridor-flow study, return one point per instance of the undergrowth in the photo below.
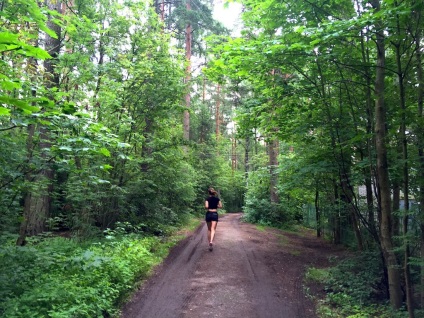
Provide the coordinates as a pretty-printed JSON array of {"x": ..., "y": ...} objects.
[
  {"x": 63, "y": 278},
  {"x": 352, "y": 289}
]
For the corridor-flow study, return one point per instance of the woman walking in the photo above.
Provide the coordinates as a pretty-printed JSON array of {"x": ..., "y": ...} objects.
[{"x": 212, "y": 204}]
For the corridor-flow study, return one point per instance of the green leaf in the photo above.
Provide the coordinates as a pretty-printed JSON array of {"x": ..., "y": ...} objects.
[
  {"x": 8, "y": 38},
  {"x": 9, "y": 85},
  {"x": 4, "y": 111},
  {"x": 65, "y": 148},
  {"x": 106, "y": 167},
  {"x": 10, "y": 41},
  {"x": 123, "y": 145},
  {"x": 36, "y": 52},
  {"x": 18, "y": 103},
  {"x": 104, "y": 152}
]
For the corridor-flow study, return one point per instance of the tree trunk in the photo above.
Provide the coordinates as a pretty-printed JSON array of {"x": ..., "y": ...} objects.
[
  {"x": 246, "y": 155},
  {"x": 38, "y": 202},
  {"x": 256, "y": 141},
  {"x": 162, "y": 10},
  {"x": 420, "y": 141},
  {"x": 273, "y": 149},
  {"x": 396, "y": 208},
  {"x": 233, "y": 154},
  {"x": 317, "y": 213},
  {"x": 404, "y": 145},
  {"x": 186, "y": 121},
  {"x": 101, "y": 55},
  {"x": 370, "y": 203},
  {"x": 336, "y": 223},
  {"x": 347, "y": 198},
  {"x": 218, "y": 112},
  {"x": 382, "y": 168},
  {"x": 369, "y": 120}
]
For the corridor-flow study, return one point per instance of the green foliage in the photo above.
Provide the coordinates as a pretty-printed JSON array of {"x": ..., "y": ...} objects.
[
  {"x": 257, "y": 205},
  {"x": 319, "y": 275},
  {"x": 366, "y": 271},
  {"x": 349, "y": 308},
  {"x": 200, "y": 18},
  {"x": 16, "y": 46},
  {"x": 265, "y": 213},
  {"x": 60, "y": 278},
  {"x": 109, "y": 130},
  {"x": 353, "y": 288},
  {"x": 114, "y": 129},
  {"x": 12, "y": 156}
]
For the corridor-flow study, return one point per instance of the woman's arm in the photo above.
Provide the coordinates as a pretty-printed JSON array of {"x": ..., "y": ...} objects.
[
  {"x": 220, "y": 204},
  {"x": 206, "y": 204}
]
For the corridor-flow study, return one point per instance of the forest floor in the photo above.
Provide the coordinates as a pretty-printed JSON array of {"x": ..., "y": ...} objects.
[{"x": 251, "y": 273}]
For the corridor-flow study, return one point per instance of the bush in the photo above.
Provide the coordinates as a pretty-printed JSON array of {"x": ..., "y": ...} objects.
[
  {"x": 358, "y": 276},
  {"x": 353, "y": 288},
  {"x": 60, "y": 278},
  {"x": 264, "y": 212}
]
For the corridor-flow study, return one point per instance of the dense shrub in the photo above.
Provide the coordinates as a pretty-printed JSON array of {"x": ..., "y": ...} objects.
[
  {"x": 359, "y": 277},
  {"x": 353, "y": 288},
  {"x": 264, "y": 212},
  {"x": 59, "y": 277}
]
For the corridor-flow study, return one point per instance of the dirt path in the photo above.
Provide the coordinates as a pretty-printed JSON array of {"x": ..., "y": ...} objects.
[{"x": 249, "y": 274}]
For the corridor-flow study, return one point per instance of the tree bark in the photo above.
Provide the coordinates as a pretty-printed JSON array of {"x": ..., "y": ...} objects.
[
  {"x": 396, "y": 208},
  {"x": 404, "y": 146},
  {"x": 233, "y": 154},
  {"x": 364, "y": 38},
  {"x": 347, "y": 198},
  {"x": 273, "y": 149},
  {"x": 38, "y": 202},
  {"x": 217, "y": 112},
  {"x": 188, "y": 40},
  {"x": 317, "y": 213},
  {"x": 382, "y": 168},
  {"x": 420, "y": 142},
  {"x": 336, "y": 222},
  {"x": 246, "y": 155}
]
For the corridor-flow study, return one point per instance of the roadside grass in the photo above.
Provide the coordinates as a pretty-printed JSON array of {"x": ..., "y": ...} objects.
[
  {"x": 64, "y": 277},
  {"x": 191, "y": 224},
  {"x": 300, "y": 231},
  {"x": 319, "y": 275},
  {"x": 282, "y": 238},
  {"x": 295, "y": 252}
]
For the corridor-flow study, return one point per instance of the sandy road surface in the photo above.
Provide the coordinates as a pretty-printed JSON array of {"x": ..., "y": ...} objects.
[{"x": 249, "y": 274}]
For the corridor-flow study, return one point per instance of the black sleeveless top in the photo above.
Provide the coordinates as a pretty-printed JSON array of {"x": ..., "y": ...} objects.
[{"x": 213, "y": 203}]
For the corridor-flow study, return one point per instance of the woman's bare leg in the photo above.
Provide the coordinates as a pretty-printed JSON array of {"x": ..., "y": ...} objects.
[
  {"x": 212, "y": 231},
  {"x": 209, "y": 230}
]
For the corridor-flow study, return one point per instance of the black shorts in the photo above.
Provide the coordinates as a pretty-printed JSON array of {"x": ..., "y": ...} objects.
[{"x": 211, "y": 216}]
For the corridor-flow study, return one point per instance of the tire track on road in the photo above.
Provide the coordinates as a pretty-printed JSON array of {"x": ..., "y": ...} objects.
[
  {"x": 162, "y": 295},
  {"x": 249, "y": 274},
  {"x": 265, "y": 288}
]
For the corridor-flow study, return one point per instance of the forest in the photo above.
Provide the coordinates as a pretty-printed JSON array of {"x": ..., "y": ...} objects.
[{"x": 117, "y": 115}]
